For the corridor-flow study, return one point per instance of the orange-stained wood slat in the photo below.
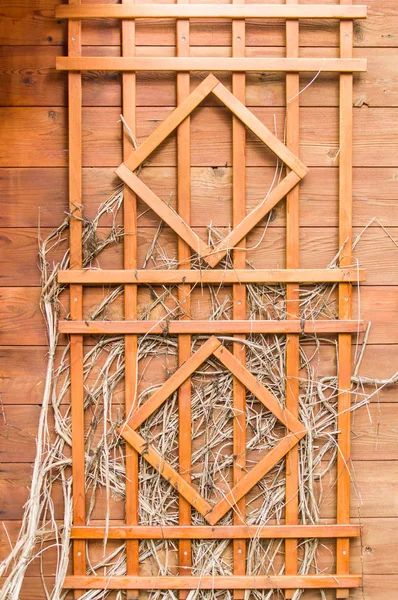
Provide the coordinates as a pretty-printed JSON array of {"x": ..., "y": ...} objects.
[
  {"x": 252, "y": 219},
  {"x": 130, "y": 300},
  {"x": 328, "y": 326},
  {"x": 217, "y": 582},
  {"x": 167, "y": 214},
  {"x": 239, "y": 11},
  {"x": 292, "y": 295},
  {"x": 239, "y": 293},
  {"x": 344, "y": 355},
  {"x": 236, "y": 275},
  {"x": 205, "y": 532},
  {"x": 76, "y": 297},
  {"x": 194, "y": 63},
  {"x": 184, "y": 294}
]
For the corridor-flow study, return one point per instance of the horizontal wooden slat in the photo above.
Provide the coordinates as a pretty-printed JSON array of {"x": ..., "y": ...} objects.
[
  {"x": 217, "y": 532},
  {"x": 23, "y": 368},
  {"x": 18, "y": 251},
  {"x": 22, "y": 322},
  {"x": 217, "y": 582},
  {"x": 375, "y": 585},
  {"x": 209, "y": 327},
  {"x": 25, "y": 22},
  {"x": 45, "y": 190},
  {"x": 257, "y": 11},
  {"x": 104, "y": 277},
  {"x": 374, "y": 492},
  {"x": 373, "y": 430},
  {"x": 28, "y": 78},
  {"x": 211, "y": 137},
  {"x": 286, "y": 65}
]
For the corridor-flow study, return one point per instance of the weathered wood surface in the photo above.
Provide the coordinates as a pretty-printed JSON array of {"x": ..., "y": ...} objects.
[
  {"x": 36, "y": 23},
  {"x": 22, "y": 372},
  {"x": 373, "y": 433},
  {"x": 18, "y": 250},
  {"x": 211, "y": 136},
  {"x": 28, "y": 77},
  {"x": 378, "y": 555},
  {"x": 41, "y": 193},
  {"x": 20, "y": 314}
]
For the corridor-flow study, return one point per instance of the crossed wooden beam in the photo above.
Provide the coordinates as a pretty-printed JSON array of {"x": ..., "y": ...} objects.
[
  {"x": 295, "y": 431},
  {"x": 211, "y": 85}
]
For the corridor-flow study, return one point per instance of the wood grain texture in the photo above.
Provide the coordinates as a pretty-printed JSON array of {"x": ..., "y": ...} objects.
[
  {"x": 186, "y": 11},
  {"x": 28, "y": 78},
  {"x": 292, "y": 294},
  {"x": 102, "y": 137},
  {"x": 41, "y": 194},
  {"x": 22, "y": 373}
]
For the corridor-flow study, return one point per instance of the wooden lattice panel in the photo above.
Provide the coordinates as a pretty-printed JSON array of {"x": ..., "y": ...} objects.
[{"x": 239, "y": 276}]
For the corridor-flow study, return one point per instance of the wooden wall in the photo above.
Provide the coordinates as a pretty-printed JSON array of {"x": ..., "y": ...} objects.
[{"x": 33, "y": 175}]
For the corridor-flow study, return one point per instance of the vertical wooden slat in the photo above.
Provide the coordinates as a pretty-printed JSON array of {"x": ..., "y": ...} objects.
[
  {"x": 76, "y": 296},
  {"x": 292, "y": 295},
  {"x": 239, "y": 291},
  {"x": 130, "y": 301},
  {"x": 184, "y": 253},
  {"x": 345, "y": 301}
]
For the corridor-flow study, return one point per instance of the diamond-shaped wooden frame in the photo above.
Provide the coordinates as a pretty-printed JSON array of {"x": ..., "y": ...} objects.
[
  {"x": 295, "y": 431},
  {"x": 211, "y": 255}
]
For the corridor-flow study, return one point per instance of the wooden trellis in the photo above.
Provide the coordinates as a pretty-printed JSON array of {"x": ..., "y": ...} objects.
[{"x": 238, "y": 64}]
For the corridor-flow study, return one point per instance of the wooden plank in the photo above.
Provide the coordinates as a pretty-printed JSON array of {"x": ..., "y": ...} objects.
[
  {"x": 345, "y": 302},
  {"x": 378, "y": 536},
  {"x": 238, "y": 275},
  {"x": 76, "y": 298},
  {"x": 28, "y": 78},
  {"x": 26, "y": 22},
  {"x": 22, "y": 321},
  {"x": 239, "y": 293},
  {"x": 157, "y": 461},
  {"x": 209, "y": 327},
  {"x": 374, "y": 193},
  {"x": 373, "y": 427},
  {"x": 18, "y": 252},
  {"x": 102, "y": 137},
  {"x": 374, "y": 585},
  {"x": 184, "y": 293},
  {"x": 376, "y": 482},
  {"x": 292, "y": 296},
  {"x": 308, "y": 65},
  {"x": 130, "y": 302},
  {"x": 204, "y": 532},
  {"x": 217, "y": 582},
  {"x": 187, "y": 11},
  {"x": 186, "y": 368}
]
